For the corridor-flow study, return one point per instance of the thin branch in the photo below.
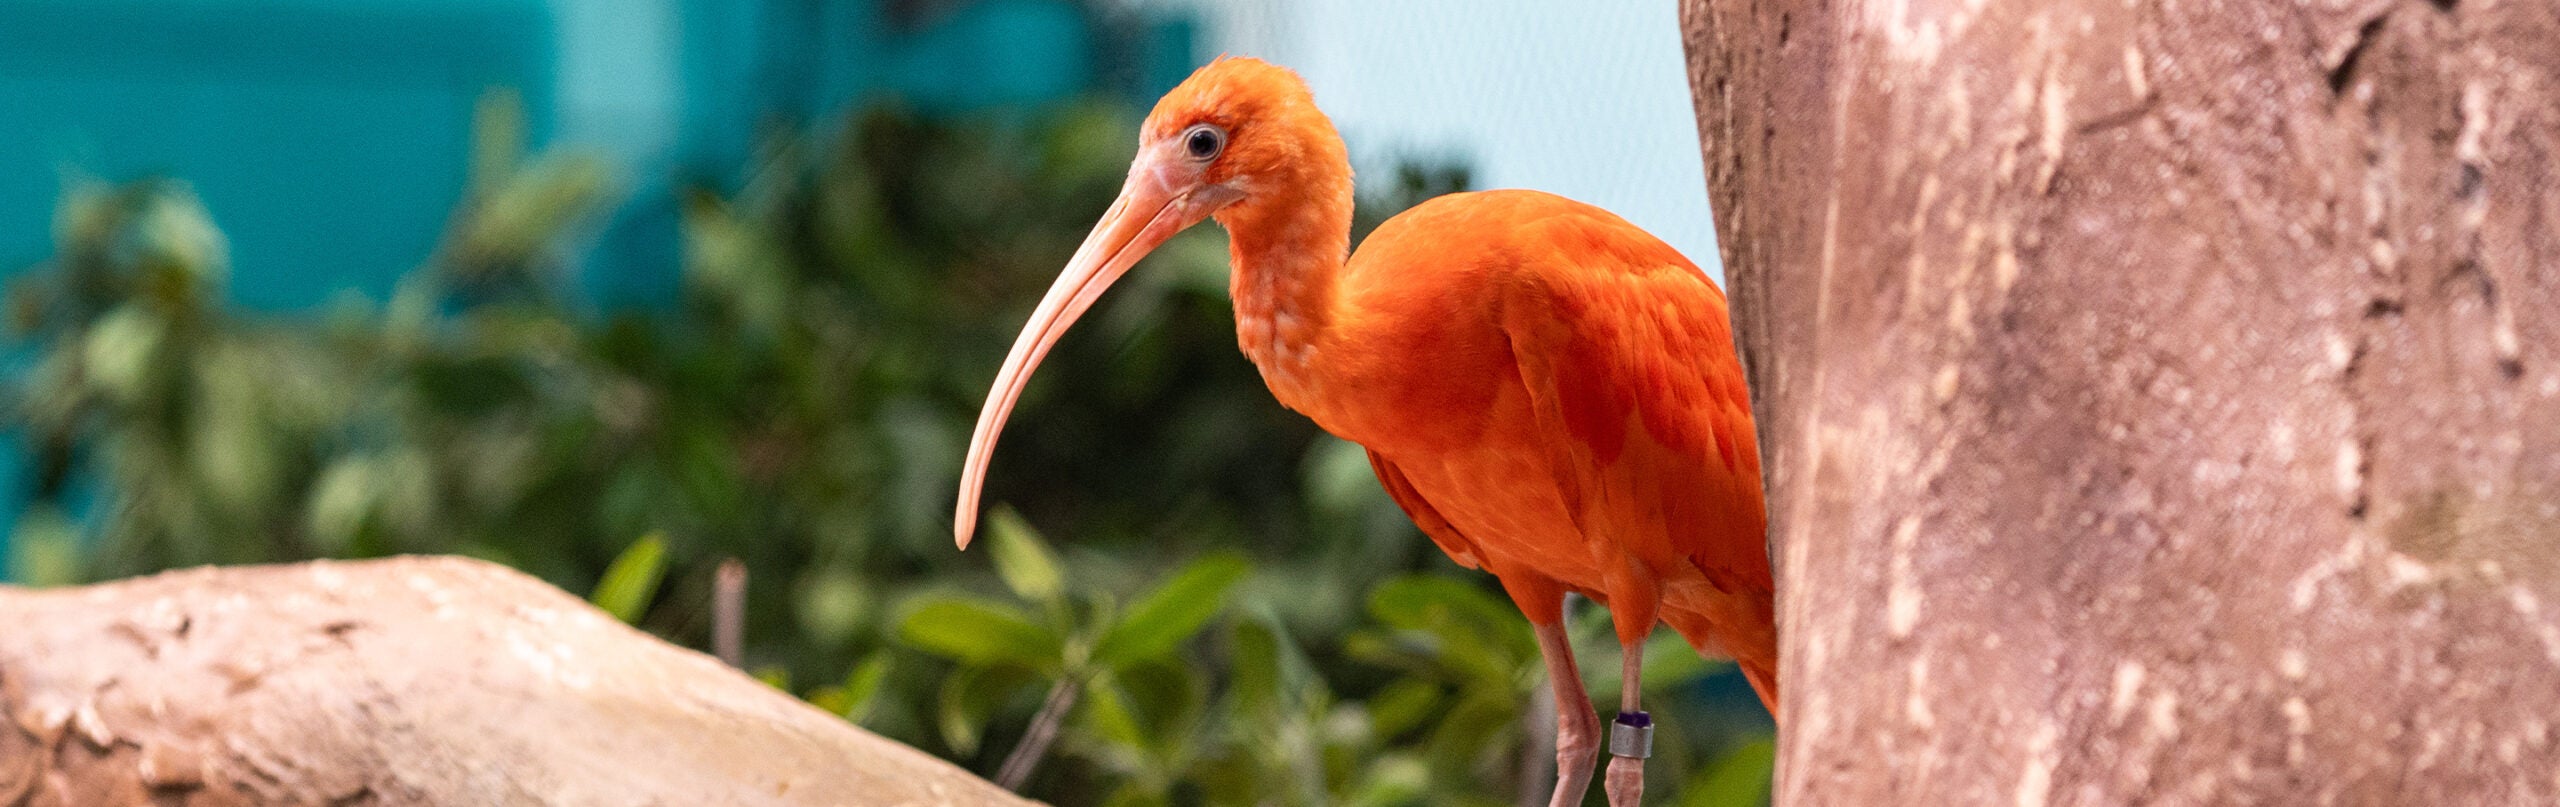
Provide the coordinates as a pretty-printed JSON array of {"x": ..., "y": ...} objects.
[
  {"x": 729, "y": 613},
  {"x": 1035, "y": 741}
]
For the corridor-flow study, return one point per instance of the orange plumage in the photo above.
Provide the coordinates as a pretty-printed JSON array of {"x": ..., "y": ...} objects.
[
  {"x": 1612, "y": 453},
  {"x": 1550, "y": 392}
]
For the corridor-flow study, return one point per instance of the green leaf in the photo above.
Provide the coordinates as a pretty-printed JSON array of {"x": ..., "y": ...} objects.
[
  {"x": 960, "y": 716},
  {"x": 1164, "y": 618},
  {"x": 835, "y": 605},
  {"x": 829, "y": 698},
  {"x": 1135, "y": 794},
  {"x": 1463, "y": 630},
  {"x": 1405, "y": 652},
  {"x": 48, "y": 547},
  {"x": 341, "y": 500},
  {"x": 1403, "y": 705},
  {"x": 1740, "y": 779},
  {"x": 1168, "y": 699},
  {"x": 862, "y": 686},
  {"x": 775, "y": 675},
  {"x": 979, "y": 632},
  {"x": 1339, "y": 479},
  {"x": 1394, "y": 780},
  {"x": 632, "y": 580},
  {"x": 969, "y": 700},
  {"x": 1254, "y": 666},
  {"x": 120, "y": 351},
  {"x": 1107, "y": 715},
  {"x": 1482, "y": 722},
  {"x": 1669, "y": 662},
  {"x": 1023, "y": 559},
  {"x": 1426, "y": 602}
]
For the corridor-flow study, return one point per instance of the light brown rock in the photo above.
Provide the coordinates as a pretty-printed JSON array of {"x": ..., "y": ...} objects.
[{"x": 405, "y": 681}]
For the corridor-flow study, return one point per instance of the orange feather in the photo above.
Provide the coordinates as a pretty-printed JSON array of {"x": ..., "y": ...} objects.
[
  {"x": 1588, "y": 429},
  {"x": 1549, "y": 391}
]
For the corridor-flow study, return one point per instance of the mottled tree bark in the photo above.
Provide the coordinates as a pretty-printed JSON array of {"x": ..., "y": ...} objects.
[
  {"x": 411, "y": 681},
  {"x": 2159, "y": 397}
]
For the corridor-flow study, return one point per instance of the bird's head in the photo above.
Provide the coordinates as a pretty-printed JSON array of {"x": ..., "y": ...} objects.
[
  {"x": 1242, "y": 140},
  {"x": 1247, "y": 132}
]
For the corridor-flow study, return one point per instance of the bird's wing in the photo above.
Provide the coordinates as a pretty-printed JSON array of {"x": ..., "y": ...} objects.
[
  {"x": 1628, "y": 359},
  {"x": 1432, "y": 523}
]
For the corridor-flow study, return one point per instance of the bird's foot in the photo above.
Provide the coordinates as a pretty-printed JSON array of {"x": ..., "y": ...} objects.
[
  {"x": 1630, "y": 743},
  {"x": 1626, "y": 782},
  {"x": 1576, "y": 739}
]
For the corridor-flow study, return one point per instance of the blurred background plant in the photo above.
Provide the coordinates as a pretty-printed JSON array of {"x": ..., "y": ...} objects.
[{"x": 1188, "y": 594}]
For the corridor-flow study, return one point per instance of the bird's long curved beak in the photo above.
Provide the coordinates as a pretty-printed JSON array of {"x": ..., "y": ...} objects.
[{"x": 1155, "y": 203}]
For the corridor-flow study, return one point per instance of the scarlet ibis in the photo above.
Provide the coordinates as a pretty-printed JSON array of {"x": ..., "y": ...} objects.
[{"x": 1551, "y": 393}]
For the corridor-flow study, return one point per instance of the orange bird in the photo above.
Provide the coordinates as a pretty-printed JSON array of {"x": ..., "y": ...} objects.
[{"x": 1551, "y": 393}]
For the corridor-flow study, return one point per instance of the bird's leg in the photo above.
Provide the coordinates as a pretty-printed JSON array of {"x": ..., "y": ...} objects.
[
  {"x": 1631, "y": 735},
  {"x": 1577, "y": 726}
]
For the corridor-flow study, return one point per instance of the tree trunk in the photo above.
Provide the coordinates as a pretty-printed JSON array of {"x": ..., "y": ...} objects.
[
  {"x": 406, "y": 681},
  {"x": 2159, "y": 399}
]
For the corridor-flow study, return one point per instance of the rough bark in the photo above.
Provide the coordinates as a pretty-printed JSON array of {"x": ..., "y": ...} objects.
[
  {"x": 2158, "y": 397},
  {"x": 405, "y": 681}
]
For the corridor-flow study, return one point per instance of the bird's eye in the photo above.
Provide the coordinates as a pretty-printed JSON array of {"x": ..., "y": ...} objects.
[{"x": 1204, "y": 141}]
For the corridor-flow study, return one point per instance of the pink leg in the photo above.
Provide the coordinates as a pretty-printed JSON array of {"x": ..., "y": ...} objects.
[
  {"x": 1626, "y": 772},
  {"x": 1577, "y": 726},
  {"x": 1635, "y": 606}
]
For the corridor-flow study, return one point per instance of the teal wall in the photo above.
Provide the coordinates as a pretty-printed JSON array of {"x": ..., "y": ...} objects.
[
  {"x": 742, "y": 66},
  {"x": 327, "y": 135},
  {"x": 328, "y": 138}
]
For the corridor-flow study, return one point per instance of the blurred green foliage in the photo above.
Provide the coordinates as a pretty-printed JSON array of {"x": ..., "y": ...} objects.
[
  {"x": 632, "y": 579},
  {"x": 1232, "y": 611}
]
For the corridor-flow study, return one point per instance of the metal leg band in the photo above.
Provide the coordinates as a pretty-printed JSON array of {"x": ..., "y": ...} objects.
[{"x": 1631, "y": 735}]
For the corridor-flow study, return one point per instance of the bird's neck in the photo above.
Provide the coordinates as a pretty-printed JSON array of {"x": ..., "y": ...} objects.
[{"x": 1287, "y": 257}]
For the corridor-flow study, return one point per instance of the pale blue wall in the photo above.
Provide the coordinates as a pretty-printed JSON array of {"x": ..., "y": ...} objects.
[{"x": 1588, "y": 98}]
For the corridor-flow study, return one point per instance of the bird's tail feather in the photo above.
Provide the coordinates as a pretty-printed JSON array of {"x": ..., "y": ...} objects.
[{"x": 1764, "y": 680}]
